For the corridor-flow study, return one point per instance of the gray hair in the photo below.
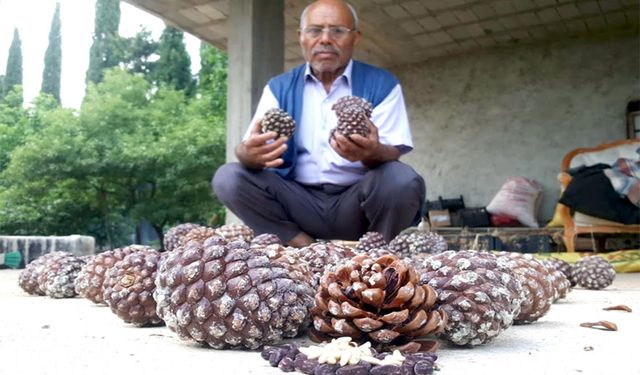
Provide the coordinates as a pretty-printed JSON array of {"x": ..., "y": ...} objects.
[{"x": 354, "y": 15}]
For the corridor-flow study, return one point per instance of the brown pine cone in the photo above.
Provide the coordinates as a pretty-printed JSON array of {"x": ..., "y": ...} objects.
[
  {"x": 28, "y": 278},
  {"x": 172, "y": 238},
  {"x": 198, "y": 235},
  {"x": 559, "y": 282},
  {"x": 563, "y": 267},
  {"x": 279, "y": 121},
  {"x": 89, "y": 282},
  {"x": 265, "y": 239},
  {"x": 408, "y": 244},
  {"x": 352, "y": 113},
  {"x": 320, "y": 256},
  {"x": 536, "y": 283},
  {"x": 375, "y": 299},
  {"x": 228, "y": 295},
  {"x": 58, "y": 276},
  {"x": 593, "y": 272},
  {"x": 233, "y": 232},
  {"x": 370, "y": 241},
  {"x": 129, "y": 285},
  {"x": 480, "y": 295}
]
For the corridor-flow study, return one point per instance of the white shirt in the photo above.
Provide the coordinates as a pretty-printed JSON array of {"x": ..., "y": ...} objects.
[{"x": 317, "y": 162}]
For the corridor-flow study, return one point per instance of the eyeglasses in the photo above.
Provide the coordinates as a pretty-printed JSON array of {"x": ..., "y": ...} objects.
[{"x": 335, "y": 32}]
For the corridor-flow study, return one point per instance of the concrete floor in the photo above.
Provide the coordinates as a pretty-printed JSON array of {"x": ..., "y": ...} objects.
[{"x": 42, "y": 336}]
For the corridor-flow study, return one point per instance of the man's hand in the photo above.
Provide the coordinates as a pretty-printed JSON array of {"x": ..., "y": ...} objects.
[
  {"x": 368, "y": 149},
  {"x": 256, "y": 152}
]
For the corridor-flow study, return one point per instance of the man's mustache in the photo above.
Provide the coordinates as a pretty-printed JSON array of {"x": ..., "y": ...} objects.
[{"x": 325, "y": 49}]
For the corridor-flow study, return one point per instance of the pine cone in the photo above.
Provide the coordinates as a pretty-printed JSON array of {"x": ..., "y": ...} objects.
[
  {"x": 593, "y": 272},
  {"x": 198, "y": 235},
  {"x": 233, "y": 232},
  {"x": 129, "y": 286},
  {"x": 536, "y": 282},
  {"x": 559, "y": 282},
  {"x": 172, "y": 238},
  {"x": 563, "y": 267},
  {"x": 480, "y": 295},
  {"x": 418, "y": 242},
  {"x": 228, "y": 295},
  {"x": 89, "y": 283},
  {"x": 28, "y": 278},
  {"x": 58, "y": 276},
  {"x": 279, "y": 121},
  {"x": 375, "y": 299},
  {"x": 320, "y": 256},
  {"x": 352, "y": 113},
  {"x": 265, "y": 239},
  {"x": 370, "y": 241}
]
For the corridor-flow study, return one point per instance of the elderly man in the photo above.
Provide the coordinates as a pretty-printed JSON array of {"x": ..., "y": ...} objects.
[{"x": 308, "y": 186}]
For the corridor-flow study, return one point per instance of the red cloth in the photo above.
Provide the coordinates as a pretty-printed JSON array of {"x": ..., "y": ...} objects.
[{"x": 504, "y": 221}]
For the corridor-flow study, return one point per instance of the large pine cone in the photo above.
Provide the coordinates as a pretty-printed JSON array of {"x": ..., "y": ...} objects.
[
  {"x": 228, "y": 295},
  {"x": 28, "y": 278},
  {"x": 57, "y": 279},
  {"x": 561, "y": 285},
  {"x": 370, "y": 241},
  {"x": 89, "y": 282},
  {"x": 536, "y": 282},
  {"x": 233, "y": 232},
  {"x": 352, "y": 113},
  {"x": 172, "y": 238},
  {"x": 320, "y": 256},
  {"x": 562, "y": 266},
  {"x": 408, "y": 244},
  {"x": 279, "y": 121},
  {"x": 129, "y": 286},
  {"x": 593, "y": 272},
  {"x": 198, "y": 234},
  {"x": 266, "y": 239},
  {"x": 375, "y": 299},
  {"x": 480, "y": 295}
]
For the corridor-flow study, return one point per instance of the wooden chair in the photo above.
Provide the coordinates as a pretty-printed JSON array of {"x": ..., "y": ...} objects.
[{"x": 605, "y": 153}]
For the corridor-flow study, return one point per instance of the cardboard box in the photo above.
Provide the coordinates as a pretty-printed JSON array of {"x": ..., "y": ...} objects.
[{"x": 439, "y": 218}]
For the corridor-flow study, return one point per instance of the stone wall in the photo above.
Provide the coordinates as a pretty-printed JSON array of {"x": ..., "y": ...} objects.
[{"x": 480, "y": 118}]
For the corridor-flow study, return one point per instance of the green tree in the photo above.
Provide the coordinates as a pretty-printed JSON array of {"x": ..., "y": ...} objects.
[
  {"x": 133, "y": 153},
  {"x": 139, "y": 54},
  {"x": 212, "y": 78},
  {"x": 174, "y": 65},
  {"x": 13, "y": 122},
  {"x": 53, "y": 59},
  {"x": 106, "y": 50},
  {"x": 13, "y": 75}
]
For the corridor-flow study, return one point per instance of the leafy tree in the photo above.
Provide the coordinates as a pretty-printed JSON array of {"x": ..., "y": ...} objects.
[
  {"x": 13, "y": 75},
  {"x": 106, "y": 50},
  {"x": 174, "y": 66},
  {"x": 212, "y": 78},
  {"x": 53, "y": 59},
  {"x": 133, "y": 153},
  {"x": 13, "y": 121},
  {"x": 140, "y": 53}
]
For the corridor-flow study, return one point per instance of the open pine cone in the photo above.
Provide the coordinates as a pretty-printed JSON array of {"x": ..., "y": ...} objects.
[
  {"x": 375, "y": 299},
  {"x": 89, "y": 283},
  {"x": 171, "y": 239},
  {"x": 228, "y": 295},
  {"x": 129, "y": 285},
  {"x": 536, "y": 283},
  {"x": 480, "y": 296}
]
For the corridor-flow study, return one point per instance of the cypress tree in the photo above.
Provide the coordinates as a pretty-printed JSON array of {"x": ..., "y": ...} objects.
[
  {"x": 174, "y": 65},
  {"x": 13, "y": 75},
  {"x": 105, "y": 50},
  {"x": 53, "y": 59}
]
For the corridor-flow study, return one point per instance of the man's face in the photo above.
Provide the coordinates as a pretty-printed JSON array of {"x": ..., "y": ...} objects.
[{"x": 326, "y": 53}]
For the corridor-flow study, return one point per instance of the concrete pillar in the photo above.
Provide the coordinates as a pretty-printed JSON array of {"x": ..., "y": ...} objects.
[{"x": 256, "y": 53}]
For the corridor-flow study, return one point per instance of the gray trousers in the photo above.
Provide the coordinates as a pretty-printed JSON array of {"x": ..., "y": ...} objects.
[{"x": 387, "y": 199}]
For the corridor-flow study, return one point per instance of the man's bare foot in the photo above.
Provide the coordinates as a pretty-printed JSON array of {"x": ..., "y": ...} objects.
[{"x": 300, "y": 240}]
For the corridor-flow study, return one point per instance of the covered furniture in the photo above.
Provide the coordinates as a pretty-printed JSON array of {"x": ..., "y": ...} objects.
[{"x": 580, "y": 223}]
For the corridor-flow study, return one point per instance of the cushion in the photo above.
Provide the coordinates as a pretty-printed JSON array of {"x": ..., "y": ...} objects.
[{"x": 520, "y": 198}]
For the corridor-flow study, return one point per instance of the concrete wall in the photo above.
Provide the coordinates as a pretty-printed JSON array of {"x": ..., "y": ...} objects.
[{"x": 480, "y": 118}]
